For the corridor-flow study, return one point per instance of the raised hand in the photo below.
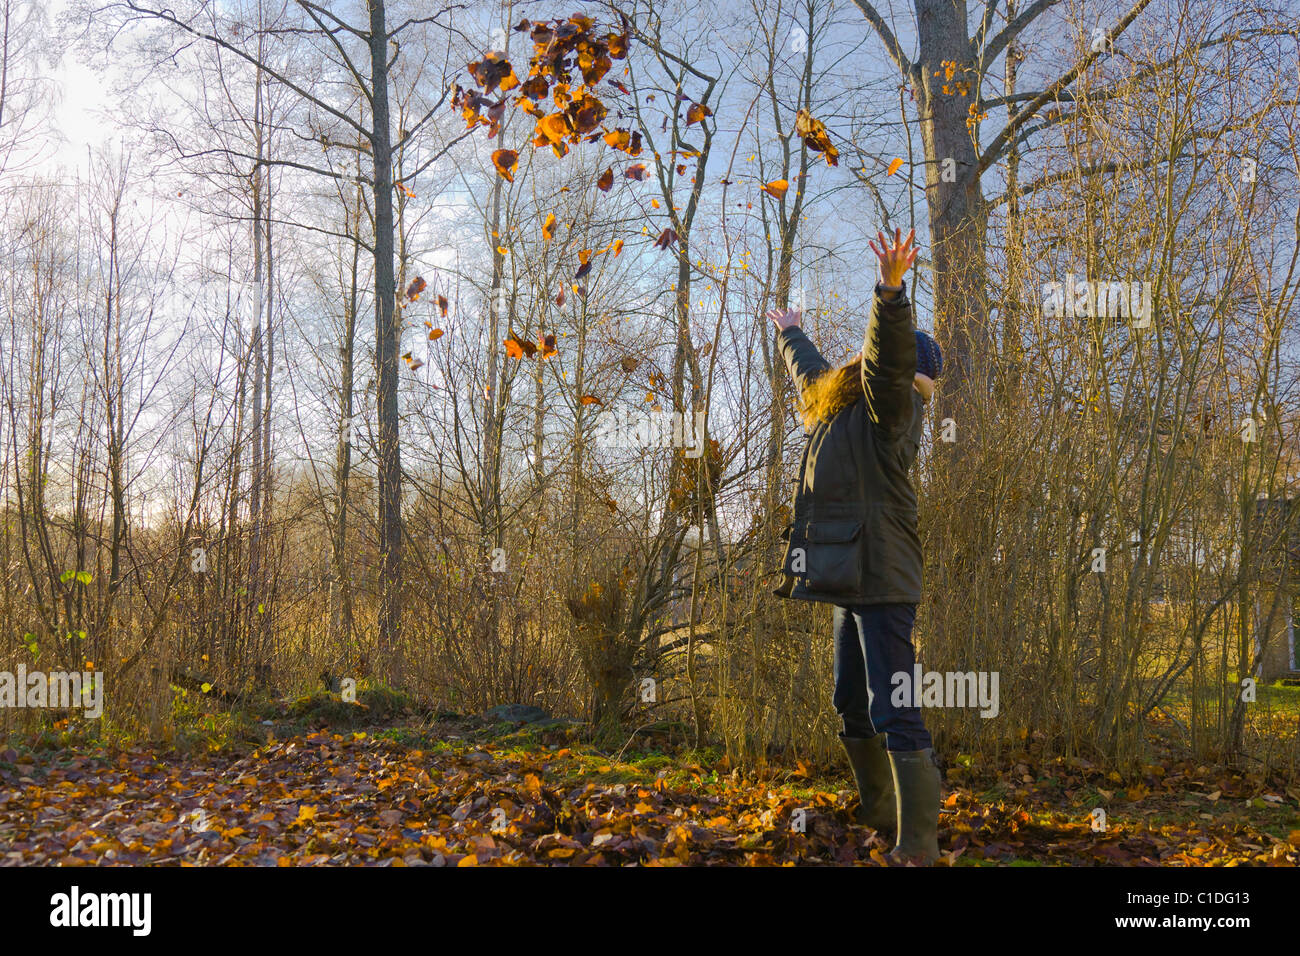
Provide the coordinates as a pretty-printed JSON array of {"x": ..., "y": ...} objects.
[
  {"x": 785, "y": 318},
  {"x": 895, "y": 259}
]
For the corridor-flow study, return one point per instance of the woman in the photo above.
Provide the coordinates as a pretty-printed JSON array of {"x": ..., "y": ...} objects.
[{"x": 854, "y": 543}]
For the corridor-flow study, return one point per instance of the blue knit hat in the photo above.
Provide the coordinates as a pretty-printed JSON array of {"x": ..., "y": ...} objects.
[{"x": 929, "y": 359}]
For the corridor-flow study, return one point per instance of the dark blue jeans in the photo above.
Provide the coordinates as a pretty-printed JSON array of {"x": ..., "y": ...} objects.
[{"x": 873, "y": 642}]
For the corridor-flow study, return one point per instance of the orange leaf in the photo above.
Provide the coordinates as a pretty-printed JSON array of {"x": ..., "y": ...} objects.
[
  {"x": 552, "y": 128},
  {"x": 517, "y": 348},
  {"x": 548, "y": 227},
  {"x": 696, "y": 113},
  {"x": 776, "y": 188},
  {"x": 894, "y": 166},
  {"x": 435, "y": 335}
]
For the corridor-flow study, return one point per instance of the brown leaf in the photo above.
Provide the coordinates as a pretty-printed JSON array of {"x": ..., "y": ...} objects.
[{"x": 505, "y": 161}]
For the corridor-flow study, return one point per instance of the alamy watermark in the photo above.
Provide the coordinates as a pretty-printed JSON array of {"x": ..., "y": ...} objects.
[
  {"x": 946, "y": 689},
  {"x": 634, "y": 428},
  {"x": 61, "y": 689},
  {"x": 75, "y": 909},
  {"x": 1085, "y": 298}
]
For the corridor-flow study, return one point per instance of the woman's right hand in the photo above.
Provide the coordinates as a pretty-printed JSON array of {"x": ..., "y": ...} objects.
[{"x": 785, "y": 318}]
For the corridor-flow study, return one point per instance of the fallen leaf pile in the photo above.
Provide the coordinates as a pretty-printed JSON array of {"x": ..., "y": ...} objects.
[{"x": 330, "y": 798}]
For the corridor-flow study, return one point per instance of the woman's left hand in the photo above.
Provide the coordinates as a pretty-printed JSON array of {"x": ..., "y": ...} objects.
[{"x": 895, "y": 259}]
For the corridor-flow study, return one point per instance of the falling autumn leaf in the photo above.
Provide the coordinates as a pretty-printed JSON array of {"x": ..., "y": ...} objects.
[
  {"x": 590, "y": 400},
  {"x": 894, "y": 166},
  {"x": 776, "y": 188},
  {"x": 666, "y": 239},
  {"x": 813, "y": 133},
  {"x": 606, "y": 180},
  {"x": 435, "y": 334},
  {"x": 517, "y": 348},
  {"x": 415, "y": 287},
  {"x": 696, "y": 113},
  {"x": 636, "y": 172},
  {"x": 442, "y": 305},
  {"x": 505, "y": 161}
]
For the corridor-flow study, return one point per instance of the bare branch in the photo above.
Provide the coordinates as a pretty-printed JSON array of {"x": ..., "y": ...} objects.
[
  {"x": 347, "y": 60},
  {"x": 168, "y": 17},
  {"x": 1003, "y": 139},
  {"x": 1012, "y": 30},
  {"x": 886, "y": 36}
]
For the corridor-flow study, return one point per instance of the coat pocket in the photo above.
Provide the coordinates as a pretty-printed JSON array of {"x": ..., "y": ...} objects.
[{"x": 833, "y": 562}]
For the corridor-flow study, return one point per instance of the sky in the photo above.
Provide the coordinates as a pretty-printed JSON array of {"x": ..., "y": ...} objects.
[{"x": 78, "y": 118}]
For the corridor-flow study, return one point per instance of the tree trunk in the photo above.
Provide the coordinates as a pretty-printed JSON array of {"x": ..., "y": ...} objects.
[
  {"x": 386, "y": 346},
  {"x": 341, "y": 593},
  {"x": 958, "y": 217}
]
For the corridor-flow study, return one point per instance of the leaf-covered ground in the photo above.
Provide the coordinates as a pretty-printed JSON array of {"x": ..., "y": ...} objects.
[{"x": 434, "y": 797}]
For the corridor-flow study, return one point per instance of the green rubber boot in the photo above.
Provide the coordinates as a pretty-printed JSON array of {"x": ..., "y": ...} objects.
[
  {"x": 875, "y": 781},
  {"x": 916, "y": 784}
]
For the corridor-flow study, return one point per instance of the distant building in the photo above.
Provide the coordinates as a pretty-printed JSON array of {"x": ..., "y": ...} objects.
[{"x": 1277, "y": 547}]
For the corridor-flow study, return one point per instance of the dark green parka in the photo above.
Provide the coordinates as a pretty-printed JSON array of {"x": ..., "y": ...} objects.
[{"x": 854, "y": 536}]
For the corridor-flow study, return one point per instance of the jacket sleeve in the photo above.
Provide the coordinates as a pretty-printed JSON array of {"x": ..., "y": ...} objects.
[
  {"x": 889, "y": 363},
  {"x": 801, "y": 357}
]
